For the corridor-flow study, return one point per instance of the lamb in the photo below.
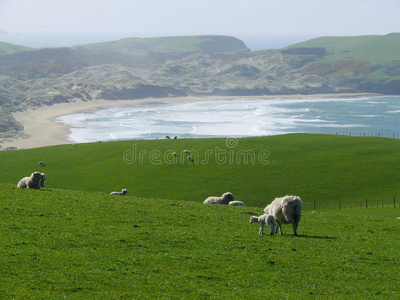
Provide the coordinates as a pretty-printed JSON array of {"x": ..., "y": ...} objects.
[
  {"x": 264, "y": 219},
  {"x": 286, "y": 210},
  {"x": 32, "y": 182},
  {"x": 123, "y": 193},
  {"x": 224, "y": 199},
  {"x": 236, "y": 203},
  {"x": 42, "y": 180}
]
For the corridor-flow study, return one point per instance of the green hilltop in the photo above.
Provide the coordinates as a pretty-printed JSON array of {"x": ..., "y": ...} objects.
[
  {"x": 375, "y": 49},
  {"x": 369, "y": 63},
  {"x": 173, "y": 44},
  {"x": 6, "y": 48}
]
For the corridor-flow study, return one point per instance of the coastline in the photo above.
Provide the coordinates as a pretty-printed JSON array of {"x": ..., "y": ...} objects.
[{"x": 41, "y": 129}]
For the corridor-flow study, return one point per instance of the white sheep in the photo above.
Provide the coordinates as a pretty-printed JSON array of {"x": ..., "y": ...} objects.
[
  {"x": 42, "y": 180},
  {"x": 264, "y": 219},
  {"x": 186, "y": 152},
  {"x": 286, "y": 210},
  {"x": 224, "y": 199},
  {"x": 32, "y": 182},
  {"x": 175, "y": 154},
  {"x": 124, "y": 192},
  {"x": 236, "y": 203}
]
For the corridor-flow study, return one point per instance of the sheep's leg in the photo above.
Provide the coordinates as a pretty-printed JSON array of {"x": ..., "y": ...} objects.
[
  {"x": 261, "y": 229},
  {"x": 280, "y": 228},
  {"x": 294, "y": 224}
]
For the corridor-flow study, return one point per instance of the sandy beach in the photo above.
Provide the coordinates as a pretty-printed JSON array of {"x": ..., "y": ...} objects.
[{"x": 42, "y": 130}]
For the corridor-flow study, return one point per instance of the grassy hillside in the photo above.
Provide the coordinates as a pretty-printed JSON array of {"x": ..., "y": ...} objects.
[
  {"x": 6, "y": 48},
  {"x": 375, "y": 49},
  {"x": 367, "y": 63},
  {"x": 173, "y": 44},
  {"x": 256, "y": 170},
  {"x": 88, "y": 245}
]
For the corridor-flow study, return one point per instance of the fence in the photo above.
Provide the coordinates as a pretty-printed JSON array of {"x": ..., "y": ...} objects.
[
  {"x": 363, "y": 134},
  {"x": 362, "y": 204}
]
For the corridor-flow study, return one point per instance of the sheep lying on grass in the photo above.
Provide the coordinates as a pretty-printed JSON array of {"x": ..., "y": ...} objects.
[
  {"x": 32, "y": 182},
  {"x": 124, "y": 192},
  {"x": 224, "y": 199},
  {"x": 286, "y": 210},
  {"x": 264, "y": 219},
  {"x": 236, "y": 203}
]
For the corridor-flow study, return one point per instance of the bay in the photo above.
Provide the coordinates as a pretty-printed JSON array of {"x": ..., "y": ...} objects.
[{"x": 370, "y": 116}]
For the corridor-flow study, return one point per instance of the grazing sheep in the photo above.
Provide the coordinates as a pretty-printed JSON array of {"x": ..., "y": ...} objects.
[
  {"x": 167, "y": 137},
  {"x": 41, "y": 163},
  {"x": 236, "y": 203},
  {"x": 175, "y": 137},
  {"x": 123, "y": 193},
  {"x": 186, "y": 151},
  {"x": 42, "y": 180},
  {"x": 190, "y": 159},
  {"x": 224, "y": 199},
  {"x": 264, "y": 219},
  {"x": 74, "y": 144},
  {"x": 32, "y": 182},
  {"x": 175, "y": 154},
  {"x": 286, "y": 210}
]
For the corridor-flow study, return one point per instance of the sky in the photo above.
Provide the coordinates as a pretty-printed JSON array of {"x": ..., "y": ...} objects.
[{"x": 259, "y": 23}]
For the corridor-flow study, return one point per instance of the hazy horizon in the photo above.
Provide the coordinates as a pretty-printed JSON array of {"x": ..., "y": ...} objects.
[{"x": 261, "y": 24}]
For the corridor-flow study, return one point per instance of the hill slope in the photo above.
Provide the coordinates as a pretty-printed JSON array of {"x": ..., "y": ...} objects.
[
  {"x": 375, "y": 49},
  {"x": 173, "y": 44},
  {"x": 6, "y": 48},
  {"x": 321, "y": 168},
  {"x": 368, "y": 63}
]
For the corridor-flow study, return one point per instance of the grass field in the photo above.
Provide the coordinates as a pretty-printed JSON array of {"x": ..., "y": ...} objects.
[
  {"x": 256, "y": 170},
  {"x": 86, "y": 245},
  {"x": 72, "y": 240}
]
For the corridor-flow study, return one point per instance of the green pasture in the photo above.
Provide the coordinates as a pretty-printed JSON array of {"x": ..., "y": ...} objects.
[
  {"x": 325, "y": 168},
  {"x": 375, "y": 49},
  {"x": 73, "y": 240},
  {"x": 64, "y": 244}
]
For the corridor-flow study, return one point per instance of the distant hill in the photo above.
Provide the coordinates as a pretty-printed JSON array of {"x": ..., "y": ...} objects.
[
  {"x": 375, "y": 49},
  {"x": 366, "y": 63},
  {"x": 6, "y": 48},
  {"x": 173, "y": 44}
]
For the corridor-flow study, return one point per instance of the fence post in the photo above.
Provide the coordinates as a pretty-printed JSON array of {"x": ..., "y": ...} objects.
[
  {"x": 366, "y": 203},
  {"x": 314, "y": 204},
  {"x": 340, "y": 204},
  {"x": 394, "y": 202}
]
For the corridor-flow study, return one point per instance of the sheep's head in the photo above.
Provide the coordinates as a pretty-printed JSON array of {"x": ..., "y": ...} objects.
[
  {"x": 253, "y": 219},
  {"x": 227, "y": 196},
  {"x": 124, "y": 191},
  {"x": 36, "y": 175}
]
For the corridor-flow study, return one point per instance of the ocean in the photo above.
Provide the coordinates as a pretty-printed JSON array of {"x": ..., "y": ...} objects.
[{"x": 370, "y": 116}]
